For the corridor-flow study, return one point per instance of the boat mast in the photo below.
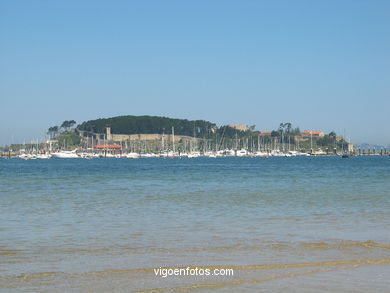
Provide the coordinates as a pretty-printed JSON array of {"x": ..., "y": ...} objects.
[
  {"x": 173, "y": 139},
  {"x": 288, "y": 143},
  {"x": 311, "y": 141},
  {"x": 162, "y": 140}
]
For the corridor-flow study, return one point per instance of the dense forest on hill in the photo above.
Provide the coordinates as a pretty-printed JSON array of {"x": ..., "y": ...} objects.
[{"x": 149, "y": 125}]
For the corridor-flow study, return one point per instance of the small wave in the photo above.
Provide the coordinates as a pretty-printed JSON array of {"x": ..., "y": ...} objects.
[
  {"x": 11, "y": 252},
  {"x": 36, "y": 275},
  {"x": 328, "y": 266},
  {"x": 309, "y": 267},
  {"x": 345, "y": 244},
  {"x": 233, "y": 283}
]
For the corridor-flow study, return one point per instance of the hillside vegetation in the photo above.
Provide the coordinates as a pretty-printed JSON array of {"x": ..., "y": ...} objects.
[{"x": 148, "y": 125}]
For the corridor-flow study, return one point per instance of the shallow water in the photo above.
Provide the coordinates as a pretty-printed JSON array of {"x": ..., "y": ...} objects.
[{"x": 283, "y": 224}]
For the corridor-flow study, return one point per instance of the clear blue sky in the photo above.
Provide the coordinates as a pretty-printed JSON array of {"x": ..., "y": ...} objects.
[{"x": 321, "y": 65}]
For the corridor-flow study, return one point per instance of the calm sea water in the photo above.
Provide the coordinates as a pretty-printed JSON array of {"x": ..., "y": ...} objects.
[{"x": 283, "y": 224}]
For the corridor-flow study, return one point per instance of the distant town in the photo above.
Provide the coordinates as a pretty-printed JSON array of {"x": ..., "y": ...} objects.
[{"x": 152, "y": 136}]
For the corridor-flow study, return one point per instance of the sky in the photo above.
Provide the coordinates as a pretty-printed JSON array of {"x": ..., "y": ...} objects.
[{"x": 320, "y": 65}]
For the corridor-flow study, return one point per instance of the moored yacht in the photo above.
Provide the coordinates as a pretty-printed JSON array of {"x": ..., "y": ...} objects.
[
  {"x": 43, "y": 156},
  {"x": 132, "y": 156},
  {"x": 65, "y": 155}
]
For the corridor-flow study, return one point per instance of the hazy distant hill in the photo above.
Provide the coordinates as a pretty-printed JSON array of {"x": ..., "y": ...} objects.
[{"x": 148, "y": 125}]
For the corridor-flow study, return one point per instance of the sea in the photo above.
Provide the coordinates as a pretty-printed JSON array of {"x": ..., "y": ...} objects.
[{"x": 297, "y": 224}]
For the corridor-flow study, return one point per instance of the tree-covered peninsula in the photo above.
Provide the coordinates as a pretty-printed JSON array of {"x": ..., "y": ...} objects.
[{"x": 149, "y": 125}]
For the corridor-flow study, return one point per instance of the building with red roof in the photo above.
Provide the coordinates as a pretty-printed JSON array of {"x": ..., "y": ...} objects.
[
  {"x": 265, "y": 133},
  {"x": 307, "y": 133}
]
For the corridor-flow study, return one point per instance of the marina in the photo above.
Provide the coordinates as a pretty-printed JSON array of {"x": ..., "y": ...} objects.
[
  {"x": 194, "y": 146},
  {"x": 195, "y": 139},
  {"x": 119, "y": 153}
]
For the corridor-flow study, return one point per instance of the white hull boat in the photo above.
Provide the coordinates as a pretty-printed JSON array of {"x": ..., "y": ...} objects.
[{"x": 65, "y": 155}]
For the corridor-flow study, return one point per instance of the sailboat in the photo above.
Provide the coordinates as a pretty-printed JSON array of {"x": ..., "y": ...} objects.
[
  {"x": 346, "y": 154},
  {"x": 65, "y": 155}
]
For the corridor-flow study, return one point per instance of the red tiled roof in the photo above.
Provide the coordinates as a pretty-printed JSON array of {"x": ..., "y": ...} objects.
[{"x": 311, "y": 132}]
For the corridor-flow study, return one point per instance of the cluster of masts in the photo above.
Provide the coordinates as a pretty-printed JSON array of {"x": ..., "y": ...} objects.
[
  {"x": 90, "y": 154},
  {"x": 119, "y": 153},
  {"x": 185, "y": 149}
]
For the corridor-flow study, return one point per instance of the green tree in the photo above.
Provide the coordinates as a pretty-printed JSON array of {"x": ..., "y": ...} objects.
[
  {"x": 67, "y": 124},
  {"x": 296, "y": 131},
  {"x": 69, "y": 139},
  {"x": 71, "y": 123},
  {"x": 287, "y": 127},
  {"x": 325, "y": 141},
  {"x": 52, "y": 131}
]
